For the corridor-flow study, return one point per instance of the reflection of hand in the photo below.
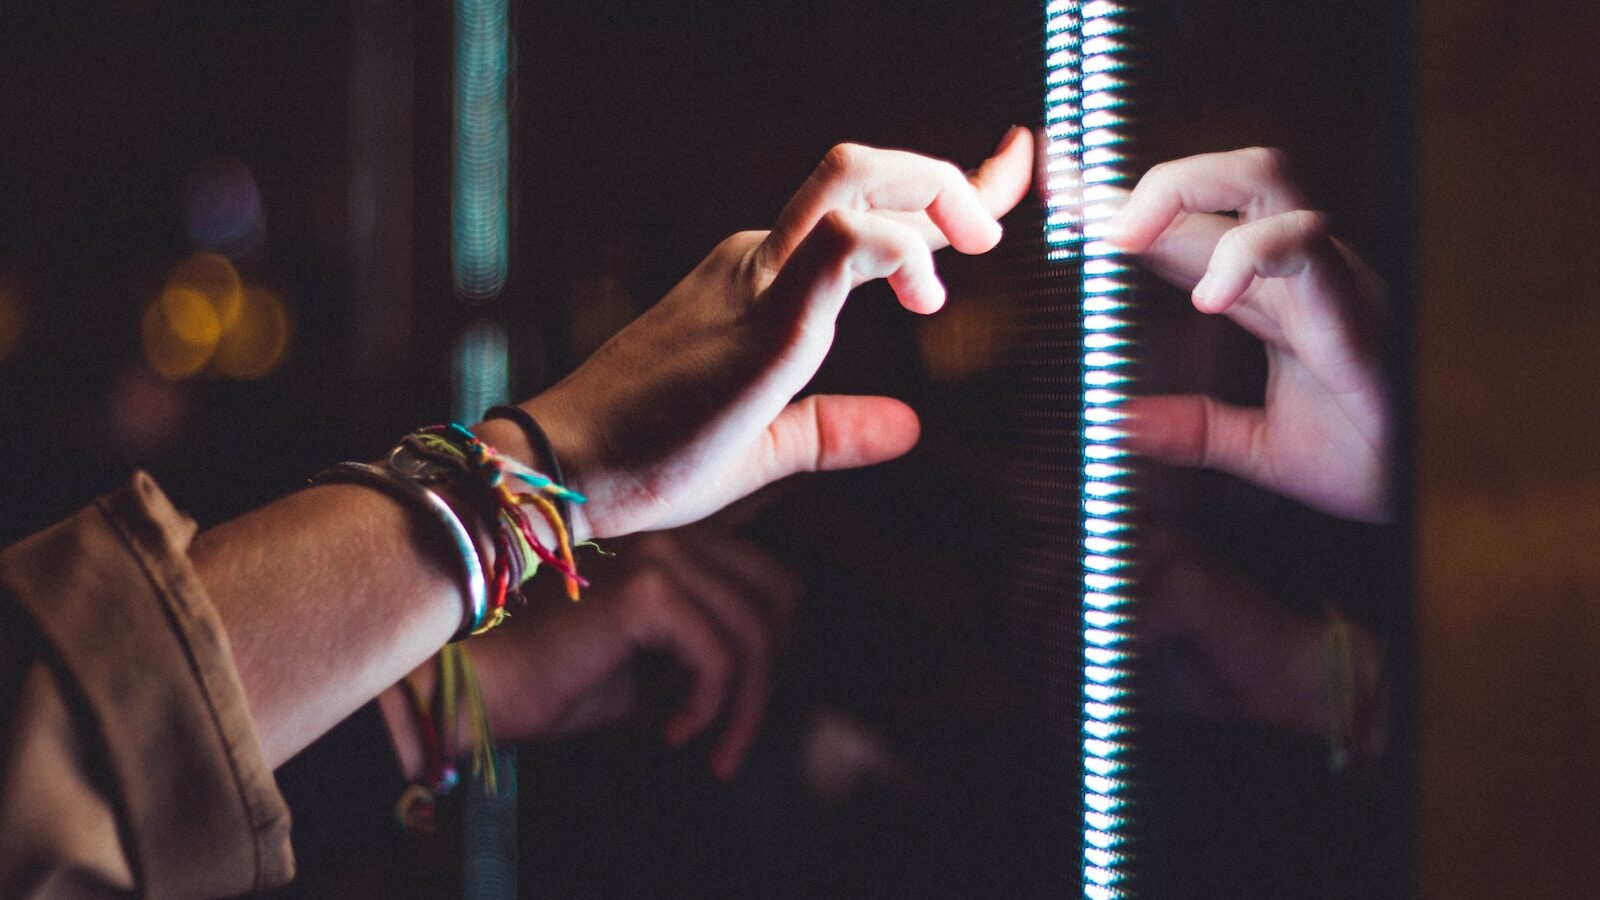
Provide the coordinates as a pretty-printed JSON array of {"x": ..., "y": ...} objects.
[
  {"x": 718, "y": 605},
  {"x": 1230, "y": 651},
  {"x": 689, "y": 408},
  {"x": 1323, "y": 436}
]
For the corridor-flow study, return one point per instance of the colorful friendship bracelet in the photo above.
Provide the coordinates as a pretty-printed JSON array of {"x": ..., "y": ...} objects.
[
  {"x": 443, "y": 451},
  {"x": 540, "y": 442}
]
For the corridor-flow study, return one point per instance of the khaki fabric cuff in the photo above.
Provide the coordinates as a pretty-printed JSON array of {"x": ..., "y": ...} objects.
[{"x": 113, "y": 592}]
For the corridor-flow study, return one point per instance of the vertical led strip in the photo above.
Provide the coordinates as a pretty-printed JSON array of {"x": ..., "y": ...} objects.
[
  {"x": 481, "y": 253},
  {"x": 1084, "y": 127}
]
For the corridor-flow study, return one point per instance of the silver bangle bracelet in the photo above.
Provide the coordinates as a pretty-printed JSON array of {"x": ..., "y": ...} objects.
[{"x": 417, "y": 495}]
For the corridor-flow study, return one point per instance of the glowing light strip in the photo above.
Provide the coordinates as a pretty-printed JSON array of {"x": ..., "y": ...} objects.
[
  {"x": 1085, "y": 68},
  {"x": 482, "y": 370},
  {"x": 481, "y": 252}
]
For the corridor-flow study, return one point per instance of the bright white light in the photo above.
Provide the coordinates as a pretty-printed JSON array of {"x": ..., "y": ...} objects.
[
  {"x": 1083, "y": 95},
  {"x": 1098, "y": 691},
  {"x": 1101, "y": 656},
  {"x": 1104, "y": 730},
  {"x": 1095, "y": 747},
  {"x": 1102, "y": 619}
]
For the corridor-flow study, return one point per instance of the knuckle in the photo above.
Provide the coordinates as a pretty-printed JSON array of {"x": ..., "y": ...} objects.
[
  {"x": 736, "y": 246},
  {"x": 838, "y": 229},
  {"x": 1236, "y": 242},
  {"x": 842, "y": 158},
  {"x": 1158, "y": 174},
  {"x": 1313, "y": 225},
  {"x": 1267, "y": 162}
]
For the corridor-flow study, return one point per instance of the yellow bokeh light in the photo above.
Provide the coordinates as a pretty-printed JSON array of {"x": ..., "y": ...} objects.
[
  {"x": 190, "y": 316},
  {"x": 207, "y": 316},
  {"x": 254, "y": 345},
  {"x": 212, "y": 276},
  {"x": 11, "y": 320},
  {"x": 171, "y": 356}
]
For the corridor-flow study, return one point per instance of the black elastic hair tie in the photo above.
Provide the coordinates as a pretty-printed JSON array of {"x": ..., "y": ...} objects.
[{"x": 541, "y": 445}]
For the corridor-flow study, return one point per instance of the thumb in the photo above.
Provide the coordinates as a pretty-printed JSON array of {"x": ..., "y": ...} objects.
[
  {"x": 832, "y": 431},
  {"x": 1195, "y": 430}
]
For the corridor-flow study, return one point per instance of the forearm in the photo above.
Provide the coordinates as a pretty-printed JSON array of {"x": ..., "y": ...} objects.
[
  {"x": 328, "y": 596},
  {"x": 331, "y": 595}
]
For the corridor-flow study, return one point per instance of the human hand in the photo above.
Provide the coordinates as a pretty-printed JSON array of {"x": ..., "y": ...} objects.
[
  {"x": 720, "y": 606},
  {"x": 691, "y": 406},
  {"x": 1324, "y": 434},
  {"x": 1229, "y": 650}
]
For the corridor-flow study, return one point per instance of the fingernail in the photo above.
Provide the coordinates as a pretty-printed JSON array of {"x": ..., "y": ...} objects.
[
  {"x": 1202, "y": 292},
  {"x": 1009, "y": 138}
]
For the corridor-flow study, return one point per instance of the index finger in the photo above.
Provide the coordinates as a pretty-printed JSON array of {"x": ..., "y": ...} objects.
[
  {"x": 855, "y": 177},
  {"x": 1253, "y": 183}
]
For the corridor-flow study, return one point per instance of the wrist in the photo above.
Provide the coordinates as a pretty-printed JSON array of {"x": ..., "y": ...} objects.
[{"x": 567, "y": 443}]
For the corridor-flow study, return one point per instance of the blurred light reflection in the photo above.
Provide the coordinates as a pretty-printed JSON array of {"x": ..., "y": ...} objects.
[
  {"x": 482, "y": 178},
  {"x": 206, "y": 316},
  {"x": 481, "y": 370},
  {"x": 222, "y": 206}
]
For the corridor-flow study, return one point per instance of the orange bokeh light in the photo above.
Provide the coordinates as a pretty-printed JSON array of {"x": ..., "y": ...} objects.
[
  {"x": 206, "y": 316},
  {"x": 254, "y": 345}
]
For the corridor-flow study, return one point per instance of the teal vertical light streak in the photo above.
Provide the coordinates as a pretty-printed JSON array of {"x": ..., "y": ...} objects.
[
  {"x": 481, "y": 371},
  {"x": 481, "y": 181}
]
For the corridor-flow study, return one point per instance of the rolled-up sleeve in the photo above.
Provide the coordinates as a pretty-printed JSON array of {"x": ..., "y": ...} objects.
[{"x": 128, "y": 759}]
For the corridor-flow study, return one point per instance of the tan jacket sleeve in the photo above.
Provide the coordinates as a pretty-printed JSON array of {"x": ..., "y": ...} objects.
[{"x": 128, "y": 760}]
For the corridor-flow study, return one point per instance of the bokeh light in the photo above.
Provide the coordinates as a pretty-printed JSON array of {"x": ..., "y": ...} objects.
[
  {"x": 207, "y": 316},
  {"x": 13, "y": 316},
  {"x": 214, "y": 277},
  {"x": 222, "y": 206},
  {"x": 482, "y": 176},
  {"x": 481, "y": 370},
  {"x": 145, "y": 413},
  {"x": 166, "y": 348},
  {"x": 963, "y": 340},
  {"x": 255, "y": 344}
]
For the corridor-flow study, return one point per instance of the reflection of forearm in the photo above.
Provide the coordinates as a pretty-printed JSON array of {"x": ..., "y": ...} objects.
[{"x": 328, "y": 596}]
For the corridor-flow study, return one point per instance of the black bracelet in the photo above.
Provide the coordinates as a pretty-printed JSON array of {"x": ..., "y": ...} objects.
[{"x": 541, "y": 445}]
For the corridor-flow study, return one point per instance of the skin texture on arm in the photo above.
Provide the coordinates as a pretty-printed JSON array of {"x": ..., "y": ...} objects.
[
  {"x": 332, "y": 594},
  {"x": 329, "y": 596}
]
